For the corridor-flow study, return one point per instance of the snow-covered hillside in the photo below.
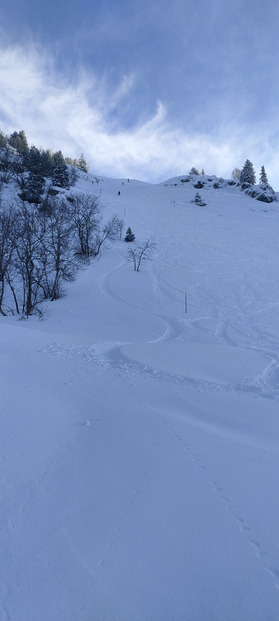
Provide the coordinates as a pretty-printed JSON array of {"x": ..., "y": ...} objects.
[{"x": 139, "y": 452}]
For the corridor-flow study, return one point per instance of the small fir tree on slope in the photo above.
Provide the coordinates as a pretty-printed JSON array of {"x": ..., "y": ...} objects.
[
  {"x": 263, "y": 176},
  {"x": 247, "y": 174},
  {"x": 129, "y": 235},
  {"x": 198, "y": 200}
]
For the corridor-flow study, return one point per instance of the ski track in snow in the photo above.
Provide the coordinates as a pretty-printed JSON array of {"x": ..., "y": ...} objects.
[
  {"x": 110, "y": 356},
  {"x": 266, "y": 385},
  {"x": 262, "y": 387}
]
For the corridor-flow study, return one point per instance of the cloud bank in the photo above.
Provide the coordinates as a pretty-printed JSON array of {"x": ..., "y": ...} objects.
[{"x": 84, "y": 114}]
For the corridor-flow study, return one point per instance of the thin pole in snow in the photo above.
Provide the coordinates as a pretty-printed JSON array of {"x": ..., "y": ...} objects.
[{"x": 186, "y": 305}]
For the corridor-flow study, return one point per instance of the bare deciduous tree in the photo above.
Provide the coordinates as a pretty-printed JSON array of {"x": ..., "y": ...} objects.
[
  {"x": 109, "y": 232},
  {"x": 8, "y": 230},
  {"x": 236, "y": 174},
  {"x": 28, "y": 265},
  {"x": 141, "y": 253},
  {"x": 57, "y": 254},
  {"x": 38, "y": 247},
  {"x": 85, "y": 213}
]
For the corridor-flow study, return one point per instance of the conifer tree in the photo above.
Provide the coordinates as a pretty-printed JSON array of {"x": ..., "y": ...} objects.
[
  {"x": 34, "y": 188},
  {"x": 263, "y": 176},
  {"x": 3, "y": 139},
  {"x": 32, "y": 160},
  {"x": 198, "y": 200},
  {"x": 82, "y": 164},
  {"x": 247, "y": 174},
  {"x": 129, "y": 237},
  {"x": 18, "y": 140},
  {"x": 59, "y": 173}
]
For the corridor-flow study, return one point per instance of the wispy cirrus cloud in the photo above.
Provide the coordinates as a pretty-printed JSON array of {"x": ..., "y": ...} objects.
[{"x": 83, "y": 113}]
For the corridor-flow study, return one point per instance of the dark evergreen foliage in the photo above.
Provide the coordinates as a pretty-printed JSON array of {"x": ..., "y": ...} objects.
[
  {"x": 18, "y": 141},
  {"x": 247, "y": 175},
  {"x": 6, "y": 165},
  {"x": 129, "y": 237},
  {"x": 3, "y": 140},
  {"x": 30, "y": 166},
  {"x": 33, "y": 188},
  {"x": 199, "y": 185},
  {"x": 198, "y": 200},
  {"x": 263, "y": 176},
  {"x": 59, "y": 172}
]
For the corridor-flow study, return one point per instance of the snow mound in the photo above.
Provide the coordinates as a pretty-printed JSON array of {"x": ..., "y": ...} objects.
[{"x": 262, "y": 192}]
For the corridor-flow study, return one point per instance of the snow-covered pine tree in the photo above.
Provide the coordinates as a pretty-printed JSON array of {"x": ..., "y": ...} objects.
[
  {"x": 18, "y": 140},
  {"x": 3, "y": 139},
  {"x": 247, "y": 174},
  {"x": 129, "y": 237},
  {"x": 34, "y": 188},
  {"x": 263, "y": 176},
  {"x": 59, "y": 175},
  {"x": 82, "y": 164},
  {"x": 262, "y": 192}
]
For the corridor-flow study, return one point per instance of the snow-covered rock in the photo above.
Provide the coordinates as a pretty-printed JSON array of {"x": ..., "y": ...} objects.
[{"x": 262, "y": 192}]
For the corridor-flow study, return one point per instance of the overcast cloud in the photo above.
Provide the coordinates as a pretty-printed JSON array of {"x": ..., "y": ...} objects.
[{"x": 144, "y": 92}]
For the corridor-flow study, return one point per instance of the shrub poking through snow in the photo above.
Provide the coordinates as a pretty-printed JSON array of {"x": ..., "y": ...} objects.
[
  {"x": 194, "y": 171},
  {"x": 198, "y": 200}
]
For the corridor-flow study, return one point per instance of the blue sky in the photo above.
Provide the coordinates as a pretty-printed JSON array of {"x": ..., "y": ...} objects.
[{"x": 144, "y": 89}]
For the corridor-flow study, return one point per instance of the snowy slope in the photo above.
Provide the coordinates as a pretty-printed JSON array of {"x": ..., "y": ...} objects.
[{"x": 139, "y": 452}]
